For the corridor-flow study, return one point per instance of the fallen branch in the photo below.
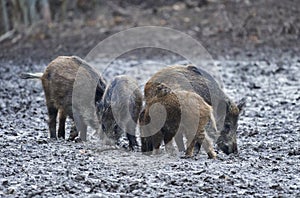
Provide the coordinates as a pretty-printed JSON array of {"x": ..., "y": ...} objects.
[
  {"x": 7, "y": 35},
  {"x": 118, "y": 9}
]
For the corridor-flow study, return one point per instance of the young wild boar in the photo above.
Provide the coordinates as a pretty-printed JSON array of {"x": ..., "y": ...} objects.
[
  {"x": 187, "y": 114},
  {"x": 59, "y": 80},
  {"x": 191, "y": 78},
  {"x": 119, "y": 109}
]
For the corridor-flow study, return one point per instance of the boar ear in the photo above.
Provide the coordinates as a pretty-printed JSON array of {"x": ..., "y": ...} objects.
[
  {"x": 241, "y": 104},
  {"x": 163, "y": 90}
]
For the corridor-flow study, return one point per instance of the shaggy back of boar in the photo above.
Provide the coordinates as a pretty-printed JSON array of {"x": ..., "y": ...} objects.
[
  {"x": 191, "y": 78},
  {"x": 119, "y": 109},
  {"x": 187, "y": 115},
  {"x": 59, "y": 79}
]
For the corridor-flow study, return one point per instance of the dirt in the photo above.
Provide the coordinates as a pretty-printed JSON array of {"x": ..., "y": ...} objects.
[{"x": 259, "y": 60}]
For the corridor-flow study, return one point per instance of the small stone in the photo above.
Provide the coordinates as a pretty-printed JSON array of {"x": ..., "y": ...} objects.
[
  {"x": 42, "y": 141},
  {"x": 276, "y": 187},
  {"x": 79, "y": 177},
  {"x": 11, "y": 191},
  {"x": 4, "y": 182}
]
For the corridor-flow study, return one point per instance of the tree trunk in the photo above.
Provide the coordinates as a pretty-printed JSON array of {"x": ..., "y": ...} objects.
[
  {"x": 16, "y": 14},
  {"x": 46, "y": 13},
  {"x": 5, "y": 16},
  {"x": 24, "y": 9},
  {"x": 32, "y": 11}
]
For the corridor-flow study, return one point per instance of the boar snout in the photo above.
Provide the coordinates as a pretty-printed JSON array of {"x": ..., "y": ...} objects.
[{"x": 226, "y": 146}]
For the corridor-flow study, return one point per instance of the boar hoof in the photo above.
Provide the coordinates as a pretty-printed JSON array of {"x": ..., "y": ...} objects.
[
  {"x": 72, "y": 136},
  {"x": 133, "y": 148},
  {"x": 78, "y": 140},
  {"x": 212, "y": 155},
  {"x": 53, "y": 137},
  {"x": 186, "y": 157},
  {"x": 148, "y": 153}
]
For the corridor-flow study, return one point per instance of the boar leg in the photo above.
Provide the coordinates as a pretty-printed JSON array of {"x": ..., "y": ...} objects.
[
  {"x": 167, "y": 136},
  {"x": 81, "y": 126},
  {"x": 208, "y": 147},
  {"x": 168, "y": 140},
  {"x": 61, "y": 127},
  {"x": 190, "y": 149},
  {"x": 179, "y": 141},
  {"x": 132, "y": 141},
  {"x": 73, "y": 132},
  {"x": 130, "y": 133},
  {"x": 170, "y": 148},
  {"x": 198, "y": 138},
  {"x": 197, "y": 148},
  {"x": 52, "y": 112},
  {"x": 83, "y": 131},
  {"x": 147, "y": 145},
  {"x": 156, "y": 141}
]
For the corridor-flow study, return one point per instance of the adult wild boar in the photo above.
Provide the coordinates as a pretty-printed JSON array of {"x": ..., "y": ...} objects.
[
  {"x": 186, "y": 113},
  {"x": 191, "y": 78},
  {"x": 59, "y": 79},
  {"x": 119, "y": 109}
]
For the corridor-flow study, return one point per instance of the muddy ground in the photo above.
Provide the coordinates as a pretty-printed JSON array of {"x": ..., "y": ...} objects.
[{"x": 259, "y": 60}]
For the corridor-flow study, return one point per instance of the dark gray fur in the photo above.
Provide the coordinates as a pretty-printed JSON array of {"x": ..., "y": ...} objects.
[
  {"x": 191, "y": 78},
  {"x": 119, "y": 109}
]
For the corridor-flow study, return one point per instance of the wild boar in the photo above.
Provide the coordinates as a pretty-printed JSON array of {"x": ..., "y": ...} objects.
[
  {"x": 61, "y": 77},
  {"x": 186, "y": 114},
  {"x": 119, "y": 109},
  {"x": 191, "y": 78}
]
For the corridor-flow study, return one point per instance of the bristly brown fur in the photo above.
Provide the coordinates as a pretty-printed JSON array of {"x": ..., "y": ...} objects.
[
  {"x": 194, "y": 79},
  {"x": 58, "y": 81},
  {"x": 187, "y": 114}
]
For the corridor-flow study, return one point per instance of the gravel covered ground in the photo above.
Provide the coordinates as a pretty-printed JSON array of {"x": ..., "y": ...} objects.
[{"x": 268, "y": 138}]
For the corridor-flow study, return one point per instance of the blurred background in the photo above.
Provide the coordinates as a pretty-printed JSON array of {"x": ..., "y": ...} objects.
[{"x": 43, "y": 29}]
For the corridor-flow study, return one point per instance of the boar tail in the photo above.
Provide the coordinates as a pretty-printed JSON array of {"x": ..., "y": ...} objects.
[{"x": 31, "y": 75}]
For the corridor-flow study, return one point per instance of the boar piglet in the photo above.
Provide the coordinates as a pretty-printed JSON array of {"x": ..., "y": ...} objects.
[
  {"x": 194, "y": 79},
  {"x": 119, "y": 109},
  {"x": 61, "y": 77},
  {"x": 187, "y": 114}
]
